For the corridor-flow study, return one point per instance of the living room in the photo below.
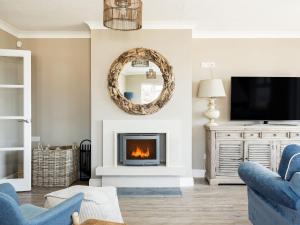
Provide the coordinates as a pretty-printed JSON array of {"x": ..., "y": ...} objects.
[{"x": 150, "y": 112}]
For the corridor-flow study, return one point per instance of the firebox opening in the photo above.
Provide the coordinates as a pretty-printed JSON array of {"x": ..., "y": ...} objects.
[{"x": 142, "y": 149}]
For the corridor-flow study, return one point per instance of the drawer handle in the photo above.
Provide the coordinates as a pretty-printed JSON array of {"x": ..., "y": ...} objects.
[
  {"x": 274, "y": 135},
  {"x": 251, "y": 135},
  {"x": 228, "y": 135},
  {"x": 297, "y": 135}
]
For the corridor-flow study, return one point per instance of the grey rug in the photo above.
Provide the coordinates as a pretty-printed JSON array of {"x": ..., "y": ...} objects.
[{"x": 149, "y": 192}]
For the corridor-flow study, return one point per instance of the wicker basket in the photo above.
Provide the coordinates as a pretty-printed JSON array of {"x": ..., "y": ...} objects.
[{"x": 55, "y": 168}]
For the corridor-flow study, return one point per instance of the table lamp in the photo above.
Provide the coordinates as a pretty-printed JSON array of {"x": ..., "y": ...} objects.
[{"x": 211, "y": 89}]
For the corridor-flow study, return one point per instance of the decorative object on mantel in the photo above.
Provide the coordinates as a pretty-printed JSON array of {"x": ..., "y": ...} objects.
[
  {"x": 153, "y": 95},
  {"x": 124, "y": 15},
  {"x": 211, "y": 89}
]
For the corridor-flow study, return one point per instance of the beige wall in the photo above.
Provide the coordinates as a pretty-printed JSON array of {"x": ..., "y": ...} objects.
[
  {"x": 237, "y": 57},
  {"x": 61, "y": 76},
  {"x": 175, "y": 45},
  {"x": 6, "y": 40},
  {"x": 60, "y": 89}
]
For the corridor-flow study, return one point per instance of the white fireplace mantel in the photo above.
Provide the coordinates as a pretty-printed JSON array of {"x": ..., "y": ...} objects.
[{"x": 175, "y": 157}]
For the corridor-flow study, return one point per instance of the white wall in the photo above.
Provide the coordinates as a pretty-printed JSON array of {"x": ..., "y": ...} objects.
[{"x": 106, "y": 46}]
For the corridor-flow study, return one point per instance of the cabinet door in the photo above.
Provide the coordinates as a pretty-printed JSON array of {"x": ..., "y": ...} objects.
[
  {"x": 229, "y": 157},
  {"x": 262, "y": 152}
]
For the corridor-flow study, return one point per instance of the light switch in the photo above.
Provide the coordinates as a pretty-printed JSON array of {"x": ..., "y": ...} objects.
[
  {"x": 35, "y": 139},
  {"x": 208, "y": 65}
]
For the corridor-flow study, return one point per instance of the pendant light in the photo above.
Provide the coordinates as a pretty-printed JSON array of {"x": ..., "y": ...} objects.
[{"x": 124, "y": 15}]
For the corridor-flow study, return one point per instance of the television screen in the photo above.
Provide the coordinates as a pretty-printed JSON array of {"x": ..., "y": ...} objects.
[{"x": 265, "y": 98}]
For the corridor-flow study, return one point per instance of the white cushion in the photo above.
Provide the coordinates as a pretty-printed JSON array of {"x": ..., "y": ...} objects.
[{"x": 99, "y": 202}]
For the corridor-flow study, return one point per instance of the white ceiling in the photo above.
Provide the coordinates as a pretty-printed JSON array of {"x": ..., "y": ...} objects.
[{"x": 206, "y": 16}]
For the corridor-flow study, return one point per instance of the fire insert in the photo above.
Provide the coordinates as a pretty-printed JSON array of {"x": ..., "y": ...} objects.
[{"x": 139, "y": 149}]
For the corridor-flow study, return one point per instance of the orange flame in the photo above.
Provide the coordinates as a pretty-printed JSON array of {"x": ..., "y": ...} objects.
[{"x": 140, "y": 153}]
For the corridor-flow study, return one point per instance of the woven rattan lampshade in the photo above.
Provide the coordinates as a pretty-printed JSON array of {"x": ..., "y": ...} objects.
[{"x": 123, "y": 15}]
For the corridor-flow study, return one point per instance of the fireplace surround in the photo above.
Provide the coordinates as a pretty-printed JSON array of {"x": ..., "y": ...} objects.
[
  {"x": 172, "y": 171},
  {"x": 140, "y": 149}
]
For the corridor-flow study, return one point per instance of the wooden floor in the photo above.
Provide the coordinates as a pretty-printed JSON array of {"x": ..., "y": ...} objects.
[{"x": 200, "y": 205}]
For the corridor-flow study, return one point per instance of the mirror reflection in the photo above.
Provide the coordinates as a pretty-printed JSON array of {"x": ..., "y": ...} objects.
[{"x": 141, "y": 81}]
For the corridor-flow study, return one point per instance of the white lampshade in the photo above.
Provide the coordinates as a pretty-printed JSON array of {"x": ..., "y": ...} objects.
[{"x": 211, "y": 88}]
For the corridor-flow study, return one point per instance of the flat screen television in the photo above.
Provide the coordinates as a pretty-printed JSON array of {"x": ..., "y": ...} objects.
[{"x": 265, "y": 98}]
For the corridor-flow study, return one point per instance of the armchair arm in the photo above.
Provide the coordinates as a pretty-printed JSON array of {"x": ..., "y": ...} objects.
[
  {"x": 60, "y": 214},
  {"x": 268, "y": 184},
  {"x": 9, "y": 190}
]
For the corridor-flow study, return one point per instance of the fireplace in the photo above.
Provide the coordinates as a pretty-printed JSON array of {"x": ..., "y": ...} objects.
[{"x": 139, "y": 149}]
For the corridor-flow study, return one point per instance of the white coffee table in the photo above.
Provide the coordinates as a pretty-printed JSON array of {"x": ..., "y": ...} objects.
[{"x": 99, "y": 202}]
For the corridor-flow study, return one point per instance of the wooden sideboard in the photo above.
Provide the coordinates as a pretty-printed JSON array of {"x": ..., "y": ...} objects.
[{"x": 227, "y": 146}]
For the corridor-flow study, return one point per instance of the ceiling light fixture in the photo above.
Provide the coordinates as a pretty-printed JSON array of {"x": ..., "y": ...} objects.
[{"x": 124, "y": 15}]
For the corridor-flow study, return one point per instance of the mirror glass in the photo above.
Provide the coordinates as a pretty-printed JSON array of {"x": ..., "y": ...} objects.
[{"x": 141, "y": 81}]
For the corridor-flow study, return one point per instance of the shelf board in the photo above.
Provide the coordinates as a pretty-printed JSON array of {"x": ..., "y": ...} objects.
[
  {"x": 11, "y": 149},
  {"x": 11, "y": 86},
  {"x": 11, "y": 117}
]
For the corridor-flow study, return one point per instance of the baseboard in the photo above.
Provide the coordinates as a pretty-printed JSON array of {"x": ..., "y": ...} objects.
[
  {"x": 95, "y": 182},
  {"x": 197, "y": 173},
  {"x": 186, "y": 181}
]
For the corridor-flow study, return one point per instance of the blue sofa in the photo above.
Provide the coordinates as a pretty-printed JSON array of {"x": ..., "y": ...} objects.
[
  {"x": 12, "y": 213},
  {"x": 274, "y": 198}
]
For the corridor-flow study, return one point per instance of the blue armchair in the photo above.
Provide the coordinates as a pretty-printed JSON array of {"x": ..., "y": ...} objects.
[
  {"x": 12, "y": 213},
  {"x": 274, "y": 198}
]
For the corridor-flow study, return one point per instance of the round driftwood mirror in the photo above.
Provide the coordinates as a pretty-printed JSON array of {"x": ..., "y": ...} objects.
[{"x": 141, "y": 81}]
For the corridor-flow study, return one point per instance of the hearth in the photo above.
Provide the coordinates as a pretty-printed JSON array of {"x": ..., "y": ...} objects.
[{"x": 139, "y": 149}]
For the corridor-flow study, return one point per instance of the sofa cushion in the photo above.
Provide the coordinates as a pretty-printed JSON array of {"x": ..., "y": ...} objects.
[
  {"x": 290, "y": 162},
  {"x": 30, "y": 211}
]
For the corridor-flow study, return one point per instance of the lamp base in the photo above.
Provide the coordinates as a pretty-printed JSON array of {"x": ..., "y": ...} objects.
[
  {"x": 212, "y": 113},
  {"x": 211, "y": 123}
]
